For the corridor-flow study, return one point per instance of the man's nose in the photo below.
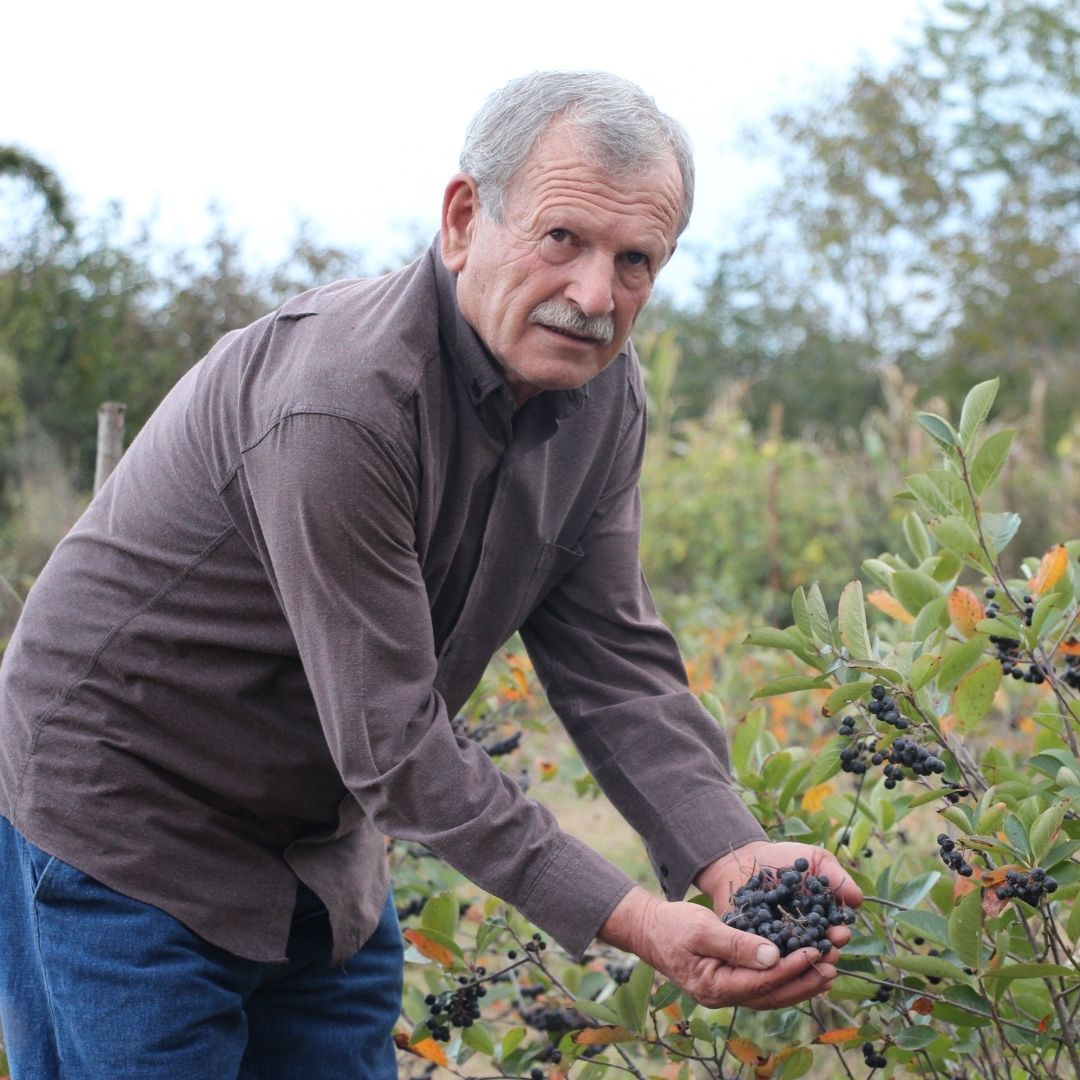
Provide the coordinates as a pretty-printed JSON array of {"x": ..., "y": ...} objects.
[{"x": 591, "y": 288}]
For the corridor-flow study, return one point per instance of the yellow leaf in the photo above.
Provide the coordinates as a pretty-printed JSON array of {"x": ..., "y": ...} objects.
[
  {"x": 886, "y": 602},
  {"x": 744, "y": 1050},
  {"x": 837, "y": 1035},
  {"x": 429, "y": 948},
  {"x": 814, "y": 797},
  {"x": 427, "y": 1048},
  {"x": 1051, "y": 568},
  {"x": 547, "y": 769},
  {"x": 965, "y": 610},
  {"x": 602, "y": 1036}
]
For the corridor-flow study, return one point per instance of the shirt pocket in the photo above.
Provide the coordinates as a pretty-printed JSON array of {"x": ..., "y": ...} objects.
[{"x": 553, "y": 562}]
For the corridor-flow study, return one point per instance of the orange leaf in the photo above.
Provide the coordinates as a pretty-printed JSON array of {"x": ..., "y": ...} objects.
[
  {"x": 965, "y": 610},
  {"x": 744, "y": 1050},
  {"x": 1070, "y": 647},
  {"x": 1051, "y": 569},
  {"x": 427, "y": 1048},
  {"x": 602, "y": 1036},
  {"x": 814, "y": 797},
  {"x": 1044, "y": 1023},
  {"x": 429, "y": 948},
  {"x": 924, "y": 1006},
  {"x": 547, "y": 769},
  {"x": 673, "y": 1011},
  {"x": 885, "y": 601},
  {"x": 992, "y": 878},
  {"x": 964, "y": 885},
  {"x": 837, "y": 1035}
]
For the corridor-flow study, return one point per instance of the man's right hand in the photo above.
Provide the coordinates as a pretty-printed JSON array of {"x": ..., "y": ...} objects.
[{"x": 714, "y": 963}]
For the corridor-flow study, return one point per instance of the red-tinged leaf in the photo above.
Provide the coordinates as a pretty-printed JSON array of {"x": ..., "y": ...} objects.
[
  {"x": 887, "y": 603},
  {"x": 992, "y": 904},
  {"x": 603, "y": 1036},
  {"x": 1052, "y": 567},
  {"x": 837, "y": 1035},
  {"x": 924, "y": 1006},
  {"x": 429, "y": 947},
  {"x": 965, "y": 610},
  {"x": 744, "y": 1050},
  {"x": 1070, "y": 647},
  {"x": 1044, "y": 1023}
]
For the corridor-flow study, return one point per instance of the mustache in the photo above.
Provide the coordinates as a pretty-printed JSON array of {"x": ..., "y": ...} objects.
[{"x": 562, "y": 316}]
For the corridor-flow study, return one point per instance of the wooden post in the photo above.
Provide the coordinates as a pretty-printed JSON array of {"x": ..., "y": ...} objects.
[{"x": 110, "y": 440}]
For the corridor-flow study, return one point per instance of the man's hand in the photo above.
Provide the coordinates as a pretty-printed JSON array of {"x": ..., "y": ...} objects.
[{"x": 716, "y": 964}]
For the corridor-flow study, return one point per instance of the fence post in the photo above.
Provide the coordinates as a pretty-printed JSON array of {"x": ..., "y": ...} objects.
[{"x": 110, "y": 440}]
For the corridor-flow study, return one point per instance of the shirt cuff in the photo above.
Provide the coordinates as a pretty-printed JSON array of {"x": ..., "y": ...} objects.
[
  {"x": 573, "y": 895},
  {"x": 696, "y": 833}
]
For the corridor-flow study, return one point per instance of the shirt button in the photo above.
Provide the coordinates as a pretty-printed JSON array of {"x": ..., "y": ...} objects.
[
  {"x": 476, "y": 389},
  {"x": 663, "y": 870}
]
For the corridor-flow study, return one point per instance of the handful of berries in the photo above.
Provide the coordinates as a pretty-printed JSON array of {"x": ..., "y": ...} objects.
[{"x": 790, "y": 907}]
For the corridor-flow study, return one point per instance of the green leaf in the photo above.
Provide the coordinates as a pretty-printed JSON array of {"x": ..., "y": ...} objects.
[
  {"x": 826, "y": 763},
  {"x": 510, "y": 1041},
  {"x": 910, "y": 894},
  {"x": 954, "y": 533},
  {"x": 917, "y": 537},
  {"x": 820, "y": 626},
  {"x": 930, "y": 965},
  {"x": 934, "y": 616},
  {"x": 959, "y": 658},
  {"x": 924, "y": 669},
  {"x": 799, "y": 612},
  {"x": 915, "y": 1038},
  {"x": 990, "y": 459},
  {"x": 604, "y": 1013},
  {"x": 665, "y": 995},
  {"x": 940, "y": 430},
  {"x": 1031, "y": 971},
  {"x": 999, "y": 529},
  {"x": 796, "y": 1064},
  {"x": 440, "y": 914},
  {"x": 914, "y": 589},
  {"x": 768, "y": 637},
  {"x": 787, "y": 684},
  {"x": 975, "y": 410},
  {"x": 975, "y": 694},
  {"x": 965, "y": 929},
  {"x": 745, "y": 737},
  {"x": 1016, "y": 834},
  {"x": 928, "y": 924},
  {"x": 1046, "y": 606},
  {"x": 880, "y": 571},
  {"x": 1043, "y": 832},
  {"x": 852, "y": 621},
  {"x": 632, "y": 998},
  {"x": 927, "y": 492},
  {"x": 945, "y": 566},
  {"x": 844, "y": 695},
  {"x": 479, "y": 1039},
  {"x": 953, "y": 490}
]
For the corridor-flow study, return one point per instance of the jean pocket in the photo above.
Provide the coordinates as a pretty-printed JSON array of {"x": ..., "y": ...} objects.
[{"x": 40, "y": 867}]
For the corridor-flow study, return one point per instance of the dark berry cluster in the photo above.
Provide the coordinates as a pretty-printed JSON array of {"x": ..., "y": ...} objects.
[
  {"x": 1027, "y": 885},
  {"x": 790, "y": 907},
  {"x": 620, "y": 973},
  {"x": 455, "y": 1008},
  {"x": 952, "y": 856},
  {"x": 872, "y": 1058},
  {"x": 908, "y": 754},
  {"x": 1007, "y": 651},
  {"x": 556, "y": 1019},
  {"x": 1072, "y": 665},
  {"x": 883, "y": 705}
]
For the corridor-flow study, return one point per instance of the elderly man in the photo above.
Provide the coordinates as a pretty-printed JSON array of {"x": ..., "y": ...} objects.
[{"x": 237, "y": 673}]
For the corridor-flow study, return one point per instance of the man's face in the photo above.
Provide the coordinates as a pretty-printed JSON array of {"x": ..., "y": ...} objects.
[{"x": 554, "y": 290}]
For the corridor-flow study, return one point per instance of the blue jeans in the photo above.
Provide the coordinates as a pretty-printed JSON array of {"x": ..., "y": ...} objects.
[{"x": 97, "y": 986}]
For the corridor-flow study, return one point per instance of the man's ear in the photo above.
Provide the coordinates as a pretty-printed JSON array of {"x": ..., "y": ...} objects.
[{"x": 460, "y": 212}]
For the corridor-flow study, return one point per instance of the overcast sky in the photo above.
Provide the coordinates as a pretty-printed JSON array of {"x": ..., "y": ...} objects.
[{"x": 350, "y": 115}]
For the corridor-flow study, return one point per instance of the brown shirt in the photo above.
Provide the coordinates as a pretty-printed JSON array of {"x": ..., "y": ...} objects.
[{"x": 240, "y": 666}]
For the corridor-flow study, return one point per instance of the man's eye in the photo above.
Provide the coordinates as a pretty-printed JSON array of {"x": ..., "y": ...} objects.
[
  {"x": 637, "y": 258},
  {"x": 559, "y": 235}
]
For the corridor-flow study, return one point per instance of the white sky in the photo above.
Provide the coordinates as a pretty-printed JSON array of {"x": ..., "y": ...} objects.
[{"x": 350, "y": 115}]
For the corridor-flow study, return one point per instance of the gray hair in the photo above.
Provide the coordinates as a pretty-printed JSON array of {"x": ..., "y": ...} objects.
[{"x": 619, "y": 123}]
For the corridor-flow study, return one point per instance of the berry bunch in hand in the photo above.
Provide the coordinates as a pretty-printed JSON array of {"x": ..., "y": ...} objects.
[{"x": 790, "y": 907}]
